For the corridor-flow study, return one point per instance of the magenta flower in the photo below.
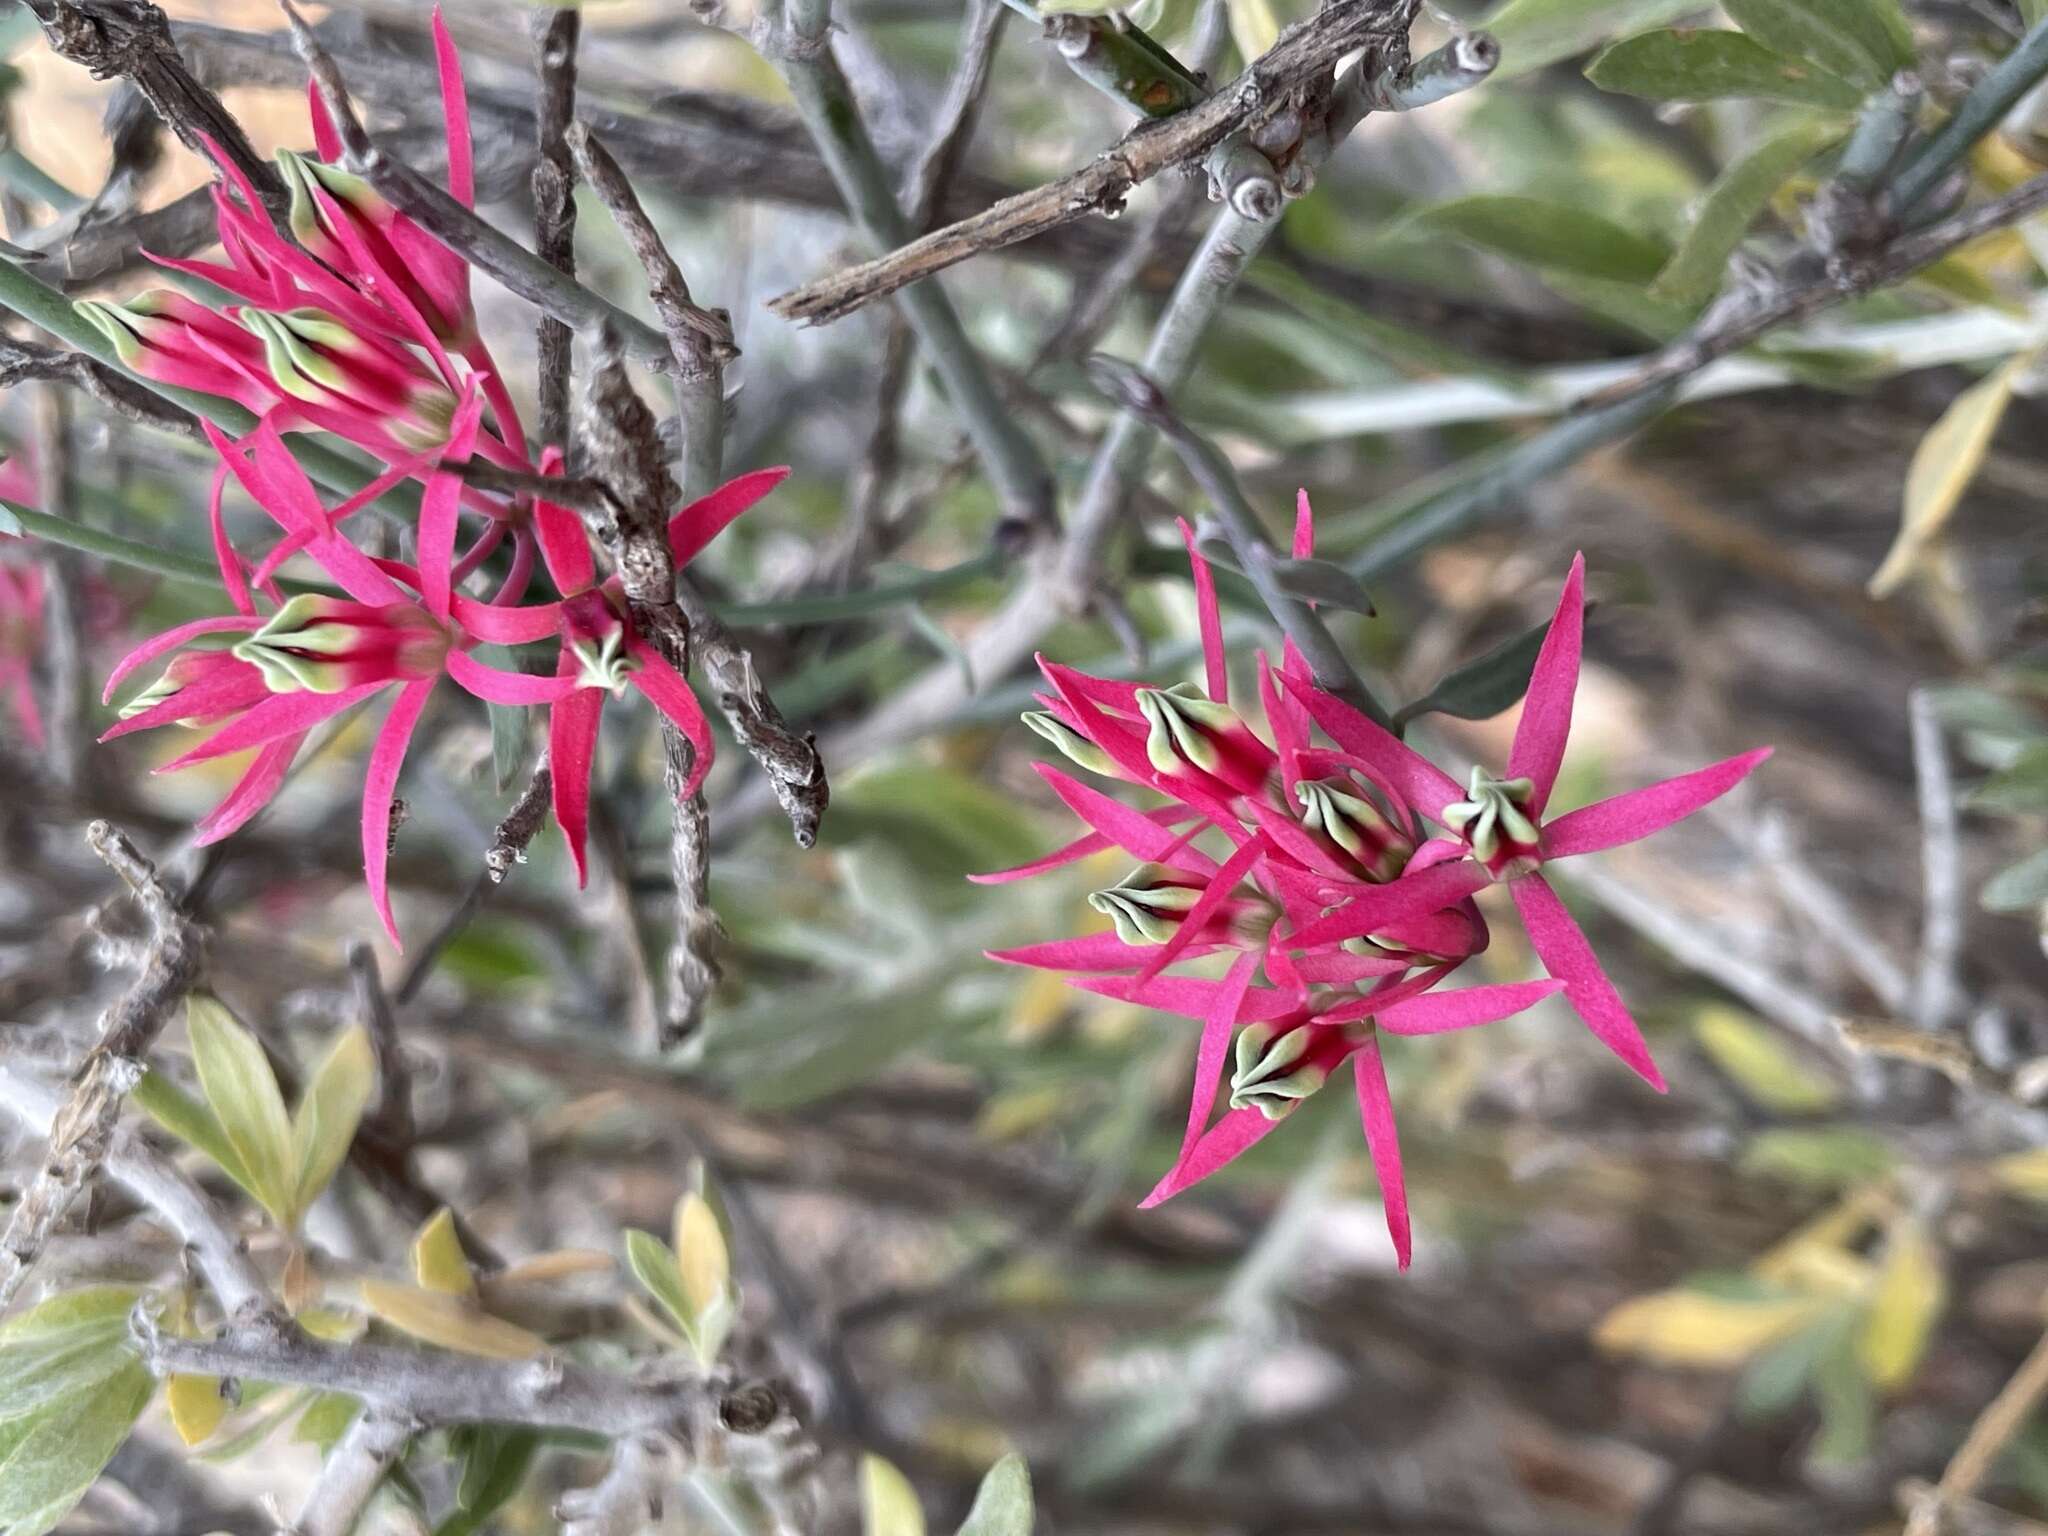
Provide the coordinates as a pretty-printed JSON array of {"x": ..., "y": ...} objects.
[{"x": 1497, "y": 831}]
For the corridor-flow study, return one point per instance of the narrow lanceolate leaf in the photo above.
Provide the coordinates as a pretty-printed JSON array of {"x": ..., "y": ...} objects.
[
  {"x": 1694, "y": 1328},
  {"x": 1676, "y": 65},
  {"x": 1002, "y": 1506},
  {"x": 1861, "y": 40},
  {"x": 1904, "y": 1307},
  {"x": 1760, "y": 1063},
  {"x": 654, "y": 1266},
  {"x": 192, "y": 1123},
  {"x": 1321, "y": 581},
  {"x": 1485, "y": 686},
  {"x": 1552, "y": 236},
  {"x": 1943, "y": 466},
  {"x": 888, "y": 1504},
  {"x": 449, "y": 1321},
  {"x": 242, "y": 1092},
  {"x": 1741, "y": 192},
  {"x": 438, "y": 1262},
  {"x": 330, "y": 1111}
]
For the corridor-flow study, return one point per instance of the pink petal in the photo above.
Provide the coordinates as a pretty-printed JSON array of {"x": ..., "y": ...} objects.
[
  {"x": 440, "y": 506},
  {"x": 279, "y": 715},
  {"x": 1340, "y": 968},
  {"x": 1627, "y": 817},
  {"x": 1304, "y": 526},
  {"x": 563, "y": 543},
  {"x": 386, "y": 758},
  {"x": 1547, "y": 708},
  {"x": 230, "y": 563},
  {"x": 254, "y": 790},
  {"x": 1435, "y": 1013},
  {"x": 1383, "y": 1142},
  {"x": 1215, "y": 1045},
  {"x": 170, "y": 640},
  {"x": 325, "y": 138},
  {"x": 1222, "y": 885},
  {"x": 1565, "y": 953},
  {"x": 494, "y": 686},
  {"x": 1410, "y": 896},
  {"x": 1088, "y": 952},
  {"x": 705, "y": 518},
  {"x": 1123, "y": 742},
  {"x": 479, "y": 552},
  {"x": 501, "y": 625},
  {"x": 1416, "y": 780},
  {"x": 1214, "y": 661},
  {"x": 1227, "y": 1140},
  {"x": 518, "y": 575},
  {"x": 1136, "y": 833},
  {"x": 670, "y": 694},
  {"x": 1289, "y": 724},
  {"x": 572, "y": 745},
  {"x": 455, "y": 112},
  {"x": 1192, "y": 997}
]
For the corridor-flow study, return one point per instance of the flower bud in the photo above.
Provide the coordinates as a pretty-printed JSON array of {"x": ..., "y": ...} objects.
[
  {"x": 172, "y": 339},
  {"x": 1340, "y": 812},
  {"x": 317, "y": 644},
  {"x": 1495, "y": 822},
  {"x": 1075, "y": 747},
  {"x": 313, "y": 357},
  {"x": 1278, "y": 1065},
  {"x": 1190, "y": 734},
  {"x": 322, "y": 196},
  {"x": 1146, "y": 909},
  {"x": 185, "y": 669}
]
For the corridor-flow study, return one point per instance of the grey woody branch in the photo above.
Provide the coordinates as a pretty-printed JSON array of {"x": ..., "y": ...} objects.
[
  {"x": 1303, "y": 58},
  {"x": 82, "y": 1130},
  {"x": 22, "y": 361},
  {"x": 557, "y": 30}
]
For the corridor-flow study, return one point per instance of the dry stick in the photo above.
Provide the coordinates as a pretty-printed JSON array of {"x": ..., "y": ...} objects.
[
  {"x": 953, "y": 125},
  {"x": 2003, "y": 1418},
  {"x": 21, "y": 361},
  {"x": 702, "y": 344},
  {"x": 1941, "y": 875},
  {"x": 1303, "y": 56},
  {"x": 798, "y": 40},
  {"x": 132, "y": 38},
  {"x": 556, "y": 31},
  {"x": 352, "y": 1472},
  {"x": 448, "y": 221},
  {"x": 83, "y": 1129}
]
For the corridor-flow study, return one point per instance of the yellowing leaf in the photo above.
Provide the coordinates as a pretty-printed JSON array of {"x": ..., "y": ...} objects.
[
  {"x": 1253, "y": 27},
  {"x": 1817, "y": 1258},
  {"x": 1020, "y": 1112},
  {"x": 701, "y": 1257},
  {"x": 888, "y": 1504},
  {"x": 555, "y": 1264},
  {"x": 2024, "y": 1173},
  {"x": 438, "y": 1262},
  {"x": 1696, "y": 1329},
  {"x": 331, "y": 1109},
  {"x": 196, "y": 1406},
  {"x": 448, "y": 1321},
  {"x": 242, "y": 1092},
  {"x": 1943, "y": 466},
  {"x": 1903, "y": 1308},
  {"x": 1760, "y": 1063}
]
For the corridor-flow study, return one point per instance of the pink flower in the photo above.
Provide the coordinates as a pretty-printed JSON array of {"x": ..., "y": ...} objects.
[{"x": 1496, "y": 829}]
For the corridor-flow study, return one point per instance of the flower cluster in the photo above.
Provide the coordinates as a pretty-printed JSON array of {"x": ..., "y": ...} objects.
[
  {"x": 1342, "y": 882},
  {"x": 358, "y": 323}
]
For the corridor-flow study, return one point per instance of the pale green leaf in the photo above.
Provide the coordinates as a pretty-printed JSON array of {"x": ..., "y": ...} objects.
[
  {"x": 654, "y": 1265},
  {"x": 1943, "y": 466},
  {"x": 1695, "y": 1328},
  {"x": 192, "y": 1123},
  {"x": 438, "y": 1262},
  {"x": 1546, "y": 235},
  {"x": 1535, "y": 33},
  {"x": 330, "y": 1111},
  {"x": 1854, "y": 39},
  {"x": 2019, "y": 788},
  {"x": 69, "y": 1417},
  {"x": 1760, "y": 1062},
  {"x": 1002, "y": 1505},
  {"x": 242, "y": 1092},
  {"x": 452, "y": 1322},
  {"x": 1731, "y": 205},
  {"x": 326, "y": 1419},
  {"x": 1253, "y": 27},
  {"x": 888, "y": 1504},
  {"x": 702, "y": 1259},
  {"x": 1907, "y": 1301},
  {"x": 1683, "y": 65}
]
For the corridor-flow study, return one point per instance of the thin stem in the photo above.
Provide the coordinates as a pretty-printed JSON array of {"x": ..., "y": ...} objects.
[
  {"x": 1979, "y": 112},
  {"x": 557, "y": 29},
  {"x": 1941, "y": 871}
]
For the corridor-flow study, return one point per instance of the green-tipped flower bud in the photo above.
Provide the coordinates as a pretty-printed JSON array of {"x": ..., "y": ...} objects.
[
  {"x": 1145, "y": 909},
  {"x": 1075, "y": 747},
  {"x": 316, "y": 644},
  {"x": 1335, "y": 808},
  {"x": 1495, "y": 821},
  {"x": 1274, "y": 1069},
  {"x": 1189, "y": 733}
]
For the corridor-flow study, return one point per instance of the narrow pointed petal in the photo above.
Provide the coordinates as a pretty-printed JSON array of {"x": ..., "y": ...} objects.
[
  {"x": 495, "y": 686},
  {"x": 1436, "y": 1013},
  {"x": 1221, "y": 886},
  {"x": 1628, "y": 817},
  {"x": 572, "y": 746},
  {"x": 563, "y": 543},
  {"x": 455, "y": 113},
  {"x": 1089, "y": 952},
  {"x": 278, "y": 715},
  {"x": 1304, "y": 526},
  {"x": 1340, "y": 968},
  {"x": 441, "y": 506},
  {"x": 1192, "y": 997},
  {"x": 1289, "y": 723},
  {"x": 170, "y": 640},
  {"x": 503, "y": 625},
  {"x": 386, "y": 758},
  {"x": 1079, "y": 848},
  {"x": 224, "y": 556},
  {"x": 1214, "y": 662},
  {"x": 708, "y": 516},
  {"x": 1226, "y": 1141},
  {"x": 1416, "y": 780},
  {"x": 1547, "y": 707},
  {"x": 253, "y": 791},
  {"x": 326, "y": 140},
  {"x": 669, "y": 693},
  {"x": 1562, "y": 947},
  {"x": 1410, "y": 896},
  {"x": 1215, "y": 1047},
  {"x": 1133, "y": 831},
  {"x": 1383, "y": 1142},
  {"x": 229, "y": 689}
]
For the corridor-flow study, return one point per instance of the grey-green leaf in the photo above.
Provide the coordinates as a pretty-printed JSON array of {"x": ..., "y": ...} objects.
[
  {"x": 1546, "y": 235},
  {"x": 72, "y": 1415},
  {"x": 2020, "y": 788},
  {"x": 1731, "y": 205},
  {"x": 1002, "y": 1505},
  {"x": 330, "y": 1110},
  {"x": 2018, "y": 887},
  {"x": 1865, "y": 41},
  {"x": 1678, "y": 65},
  {"x": 1534, "y": 33},
  {"x": 1484, "y": 686},
  {"x": 192, "y": 1123},
  {"x": 1321, "y": 581}
]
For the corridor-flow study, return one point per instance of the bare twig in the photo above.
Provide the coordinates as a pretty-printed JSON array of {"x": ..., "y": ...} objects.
[
  {"x": 556, "y": 31},
  {"x": 953, "y": 125},
  {"x": 1941, "y": 872},
  {"x": 1302, "y": 58},
  {"x": 21, "y": 361},
  {"x": 390, "y": 1121},
  {"x": 83, "y": 1128},
  {"x": 352, "y": 1471},
  {"x": 2003, "y": 1418}
]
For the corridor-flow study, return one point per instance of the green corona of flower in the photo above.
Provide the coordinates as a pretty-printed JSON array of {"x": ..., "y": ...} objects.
[
  {"x": 1495, "y": 820},
  {"x": 316, "y": 644},
  {"x": 1075, "y": 747},
  {"x": 603, "y": 662},
  {"x": 1145, "y": 910},
  {"x": 1334, "y": 808},
  {"x": 1184, "y": 727},
  {"x": 1271, "y": 1074}
]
